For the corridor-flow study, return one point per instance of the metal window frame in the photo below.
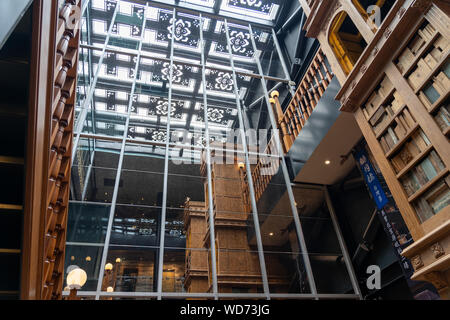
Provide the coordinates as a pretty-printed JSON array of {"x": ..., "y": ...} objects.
[{"x": 124, "y": 140}]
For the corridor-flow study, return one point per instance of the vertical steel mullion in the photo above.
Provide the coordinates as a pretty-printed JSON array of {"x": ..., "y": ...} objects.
[
  {"x": 283, "y": 62},
  {"x": 337, "y": 229},
  {"x": 255, "y": 215},
  {"x": 212, "y": 234},
  {"x": 119, "y": 166},
  {"x": 287, "y": 180},
  {"x": 286, "y": 70},
  {"x": 166, "y": 166},
  {"x": 85, "y": 5},
  {"x": 90, "y": 94},
  {"x": 88, "y": 174}
]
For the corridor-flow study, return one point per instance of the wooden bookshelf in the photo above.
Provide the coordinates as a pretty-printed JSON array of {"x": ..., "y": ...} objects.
[
  {"x": 428, "y": 67},
  {"x": 407, "y": 58}
]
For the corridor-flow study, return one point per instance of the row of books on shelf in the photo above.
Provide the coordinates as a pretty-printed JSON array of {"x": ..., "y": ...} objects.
[
  {"x": 403, "y": 123},
  {"x": 423, "y": 37},
  {"x": 377, "y": 97},
  {"x": 415, "y": 145},
  {"x": 424, "y": 68},
  {"x": 437, "y": 88},
  {"x": 434, "y": 200},
  {"x": 384, "y": 114},
  {"x": 422, "y": 173}
]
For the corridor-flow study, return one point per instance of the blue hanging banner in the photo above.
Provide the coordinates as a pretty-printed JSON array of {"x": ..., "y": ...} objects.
[{"x": 371, "y": 179}]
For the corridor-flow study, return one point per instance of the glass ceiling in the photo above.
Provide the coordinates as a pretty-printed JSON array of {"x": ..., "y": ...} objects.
[
  {"x": 150, "y": 105},
  {"x": 263, "y": 10}
]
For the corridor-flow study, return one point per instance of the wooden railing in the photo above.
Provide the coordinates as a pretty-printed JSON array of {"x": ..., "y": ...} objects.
[
  {"x": 308, "y": 5},
  {"x": 289, "y": 124},
  {"x": 309, "y": 92},
  {"x": 293, "y": 119}
]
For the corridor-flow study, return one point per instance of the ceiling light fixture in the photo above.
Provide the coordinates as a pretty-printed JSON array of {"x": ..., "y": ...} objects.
[{"x": 327, "y": 162}]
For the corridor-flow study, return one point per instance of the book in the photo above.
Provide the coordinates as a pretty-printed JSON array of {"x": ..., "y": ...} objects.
[
  {"x": 431, "y": 93},
  {"x": 381, "y": 124},
  {"x": 437, "y": 85},
  {"x": 424, "y": 137},
  {"x": 407, "y": 57},
  {"x": 418, "y": 140},
  {"x": 444, "y": 116},
  {"x": 391, "y": 133},
  {"x": 410, "y": 183},
  {"x": 430, "y": 61},
  {"x": 407, "y": 186},
  {"x": 366, "y": 114},
  {"x": 428, "y": 169},
  {"x": 436, "y": 53},
  {"x": 376, "y": 101},
  {"x": 423, "y": 209},
  {"x": 416, "y": 44},
  {"x": 401, "y": 118},
  {"x": 415, "y": 78},
  {"x": 386, "y": 84},
  {"x": 408, "y": 118},
  {"x": 389, "y": 110},
  {"x": 377, "y": 116},
  {"x": 414, "y": 146},
  {"x": 389, "y": 141},
  {"x": 439, "y": 197},
  {"x": 384, "y": 144},
  {"x": 369, "y": 104},
  {"x": 397, "y": 163},
  {"x": 405, "y": 155},
  {"x": 412, "y": 149},
  {"x": 420, "y": 175},
  {"x": 424, "y": 35},
  {"x": 436, "y": 161},
  {"x": 429, "y": 29},
  {"x": 399, "y": 129},
  {"x": 440, "y": 120},
  {"x": 441, "y": 43},
  {"x": 423, "y": 98},
  {"x": 423, "y": 66},
  {"x": 443, "y": 82}
]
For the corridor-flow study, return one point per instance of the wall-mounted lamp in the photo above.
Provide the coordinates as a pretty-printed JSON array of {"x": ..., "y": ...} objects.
[{"x": 75, "y": 280}]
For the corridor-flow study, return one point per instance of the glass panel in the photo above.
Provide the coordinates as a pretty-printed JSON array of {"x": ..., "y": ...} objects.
[
  {"x": 140, "y": 188},
  {"x": 133, "y": 269},
  {"x": 87, "y": 258},
  {"x": 87, "y": 222},
  {"x": 136, "y": 226},
  {"x": 186, "y": 271},
  {"x": 238, "y": 268},
  {"x": 93, "y": 184}
]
